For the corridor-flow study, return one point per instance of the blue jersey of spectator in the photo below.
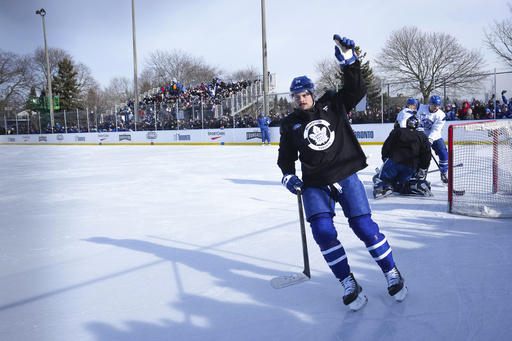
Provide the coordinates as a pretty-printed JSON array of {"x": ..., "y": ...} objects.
[
  {"x": 450, "y": 113},
  {"x": 263, "y": 122},
  {"x": 508, "y": 102}
]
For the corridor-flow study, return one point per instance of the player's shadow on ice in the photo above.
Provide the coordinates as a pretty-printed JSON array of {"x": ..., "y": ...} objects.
[{"x": 204, "y": 297}]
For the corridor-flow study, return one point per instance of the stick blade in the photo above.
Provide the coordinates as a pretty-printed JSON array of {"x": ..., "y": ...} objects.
[{"x": 288, "y": 280}]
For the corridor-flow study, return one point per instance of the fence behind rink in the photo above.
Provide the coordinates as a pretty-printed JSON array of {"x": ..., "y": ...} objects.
[
  {"x": 367, "y": 134},
  {"x": 246, "y": 104}
]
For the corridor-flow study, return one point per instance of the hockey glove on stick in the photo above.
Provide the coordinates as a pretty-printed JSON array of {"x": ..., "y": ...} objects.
[
  {"x": 292, "y": 182},
  {"x": 344, "y": 51}
]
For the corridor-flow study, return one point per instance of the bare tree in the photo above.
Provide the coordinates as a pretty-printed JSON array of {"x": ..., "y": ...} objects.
[
  {"x": 177, "y": 65},
  {"x": 15, "y": 79},
  {"x": 249, "y": 73},
  {"x": 328, "y": 69},
  {"x": 88, "y": 86},
  {"x": 424, "y": 60},
  {"x": 331, "y": 75},
  {"x": 148, "y": 80},
  {"x": 499, "y": 38},
  {"x": 119, "y": 90},
  {"x": 55, "y": 55}
]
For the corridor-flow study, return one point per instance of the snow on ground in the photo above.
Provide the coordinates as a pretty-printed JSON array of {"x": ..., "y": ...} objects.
[{"x": 179, "y": 243}]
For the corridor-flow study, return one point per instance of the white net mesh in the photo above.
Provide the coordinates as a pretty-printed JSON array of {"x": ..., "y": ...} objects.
[{"x": 481, "y": 169}]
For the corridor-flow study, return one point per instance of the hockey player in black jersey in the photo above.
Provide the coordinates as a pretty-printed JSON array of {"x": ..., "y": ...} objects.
[
  {"x": 318, "y": 133},
  {"x": 406, "y": 155}
]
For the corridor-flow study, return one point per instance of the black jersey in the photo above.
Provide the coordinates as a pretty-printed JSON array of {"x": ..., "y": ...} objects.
[
  {"x": 407, "y": 147},
  {"x": 322, "y": 138}
]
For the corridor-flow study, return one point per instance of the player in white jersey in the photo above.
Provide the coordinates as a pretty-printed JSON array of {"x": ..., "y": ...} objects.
[
  {"x": 408, "y": 111},
  {"x": 432, "y": 120}
]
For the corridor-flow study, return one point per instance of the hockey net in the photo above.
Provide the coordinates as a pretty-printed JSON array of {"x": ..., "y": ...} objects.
[{"x": 480, "y": 169}]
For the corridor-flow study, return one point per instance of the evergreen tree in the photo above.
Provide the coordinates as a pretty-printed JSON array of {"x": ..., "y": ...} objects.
[
  {"x": 31, "y": 102},
  {"x": 66, "y": 86},
  {"x": 32, "y": 92},
  {"x": 284, "y": 105},
  {"x": 373, "y": 90}
]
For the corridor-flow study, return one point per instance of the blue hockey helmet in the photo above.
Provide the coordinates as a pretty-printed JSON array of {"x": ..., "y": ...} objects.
[
  {"x": 436, "y": 100},
  {"x": 412, "y": 122},
  {"x": 301, "y": 84},
  {"x": 411, "y": 101}
]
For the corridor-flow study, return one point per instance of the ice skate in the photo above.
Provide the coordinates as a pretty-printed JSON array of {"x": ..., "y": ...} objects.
[
  {"x": 396, "y": 287},
  {"x": 444, "y": 178},
  {"x": 353, "y": 296},
  {"x": 381, "y": 189}
]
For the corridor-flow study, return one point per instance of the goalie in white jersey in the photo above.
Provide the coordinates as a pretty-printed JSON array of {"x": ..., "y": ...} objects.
[{"x": 432, "y": 120}]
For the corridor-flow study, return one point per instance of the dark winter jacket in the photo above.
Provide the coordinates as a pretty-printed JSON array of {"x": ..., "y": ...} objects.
[
  {"x": 322, "y": 137},
  {"x": 407, "y": 147}
]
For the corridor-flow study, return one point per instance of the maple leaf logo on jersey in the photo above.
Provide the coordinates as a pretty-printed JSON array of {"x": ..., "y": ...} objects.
[
  {"x": 318, "y": 134},
  {"x": 426, "y": 123}
]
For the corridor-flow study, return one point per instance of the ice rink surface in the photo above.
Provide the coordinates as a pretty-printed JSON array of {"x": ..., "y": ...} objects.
[{"x": 110, "y": 243}]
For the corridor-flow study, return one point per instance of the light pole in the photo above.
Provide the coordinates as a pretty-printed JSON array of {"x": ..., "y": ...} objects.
[
  {"x": 265, "y": 69},
  {"x": 42, "y": 13},
  {"x": 135, "y": 77}
]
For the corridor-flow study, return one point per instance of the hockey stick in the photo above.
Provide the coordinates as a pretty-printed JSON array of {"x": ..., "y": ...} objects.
[
  {"x": 438, "y": 170},
  {"x": 295, "y": 278},
  {"x": 438, "y": 167},
  {"x": 444, "y": 175},
  {"x": 303, "y": 235}
]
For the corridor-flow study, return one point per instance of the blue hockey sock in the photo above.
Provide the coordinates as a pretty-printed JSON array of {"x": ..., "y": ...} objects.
[
  {"x": 368, "y": 232},
  {"x": 382, "y": 254},
  {"x": 325, "y": 236},
  {"x": 334, "y": 255}
]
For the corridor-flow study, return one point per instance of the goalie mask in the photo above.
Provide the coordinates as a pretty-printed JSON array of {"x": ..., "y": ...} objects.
[{"x": 412, "y": 122}]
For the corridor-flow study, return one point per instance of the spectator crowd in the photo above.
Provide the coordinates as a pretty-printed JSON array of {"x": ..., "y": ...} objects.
[
  {"x": 173, "y": 106},
  {"x": 474, "y": 110},
  {"x": 477, "y": 110}
]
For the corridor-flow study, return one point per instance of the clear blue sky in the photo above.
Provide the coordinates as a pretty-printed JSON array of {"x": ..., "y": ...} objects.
[{"x": 227, "y": 33}]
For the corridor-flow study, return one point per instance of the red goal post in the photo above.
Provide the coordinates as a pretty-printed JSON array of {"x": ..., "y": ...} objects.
[{"x": 480, "y": 169}]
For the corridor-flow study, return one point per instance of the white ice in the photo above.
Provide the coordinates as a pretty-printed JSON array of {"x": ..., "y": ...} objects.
[{"x": 180, "y": 242}]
